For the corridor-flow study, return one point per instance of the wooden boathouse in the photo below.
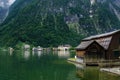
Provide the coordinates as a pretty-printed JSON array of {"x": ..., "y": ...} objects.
[{"x": 96, "y": 48}]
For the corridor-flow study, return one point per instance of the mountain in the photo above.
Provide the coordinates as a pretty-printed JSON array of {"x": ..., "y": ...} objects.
[
  {"x": 3, "y": 14},
  {"x": 4, "y": 8},
  {"x": 56, "y": 22}
]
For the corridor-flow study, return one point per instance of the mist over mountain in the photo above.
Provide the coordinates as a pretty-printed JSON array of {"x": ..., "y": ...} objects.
[
  {"x": 6, "y": 3},
  {"x": 4, "y": 8},
  {"x": 55, "y": 22}
]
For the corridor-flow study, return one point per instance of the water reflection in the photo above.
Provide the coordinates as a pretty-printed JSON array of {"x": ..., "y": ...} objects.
[
  {"x": 37, "y": 53},
  {"x": 79, "y": 66},
  {"x": 47, "y": 67},
  {"x": 94, "y": 73},
  {"x": 63, "y": 54},
  {"x": 26, "y": 54},
  {"x": 10, "y": 50}
]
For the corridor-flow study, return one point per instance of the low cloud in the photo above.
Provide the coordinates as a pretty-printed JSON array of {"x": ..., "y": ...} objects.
[
  {"x": 10, "y": 2},
  {"x": 6, "y": 3}
]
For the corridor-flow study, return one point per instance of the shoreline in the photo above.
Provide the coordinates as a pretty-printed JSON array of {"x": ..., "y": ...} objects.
[
  {"x": 74, "y": 61},
  {"x": 111, "y": 70},
  {"x": 114, "y": 70}
]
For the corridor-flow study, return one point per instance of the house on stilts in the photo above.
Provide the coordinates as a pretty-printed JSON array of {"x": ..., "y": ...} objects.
[{"x": 96, "y": 48}]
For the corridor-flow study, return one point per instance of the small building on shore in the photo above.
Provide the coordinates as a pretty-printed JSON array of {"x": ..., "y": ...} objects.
[
  {"x": 26, "y": 47},
  {"x": 39, "y": 48},
  {"x": 64, "y": 47},
  {"x": 100, "y": 47}
]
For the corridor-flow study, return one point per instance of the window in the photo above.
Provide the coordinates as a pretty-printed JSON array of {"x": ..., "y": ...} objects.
[{"x": 117, "y": 54}]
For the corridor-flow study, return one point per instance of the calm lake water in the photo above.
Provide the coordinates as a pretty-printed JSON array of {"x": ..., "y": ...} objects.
[{"x": 25, "y": 65}]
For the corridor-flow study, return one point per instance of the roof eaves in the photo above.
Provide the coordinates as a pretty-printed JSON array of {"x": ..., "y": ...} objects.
[{"x": 100, "y": 35}]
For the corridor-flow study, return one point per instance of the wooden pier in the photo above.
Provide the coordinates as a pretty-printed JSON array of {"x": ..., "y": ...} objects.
[{"x": 102, "y": 63}]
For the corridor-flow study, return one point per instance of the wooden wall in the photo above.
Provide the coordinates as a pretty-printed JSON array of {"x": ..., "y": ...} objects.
[
  {"x": 114, "y": 45},
  {"x": 80, "y": 53}
]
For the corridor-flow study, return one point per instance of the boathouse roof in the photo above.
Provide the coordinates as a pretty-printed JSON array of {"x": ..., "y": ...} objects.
[
  {"x": 101, "y": 35},
  {"x": 102, "y": 39},
  {"x": 83, "y": 45}
]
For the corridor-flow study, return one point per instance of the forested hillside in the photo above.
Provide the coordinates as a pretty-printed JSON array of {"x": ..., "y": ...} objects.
[{"x": 55, "y": 22}]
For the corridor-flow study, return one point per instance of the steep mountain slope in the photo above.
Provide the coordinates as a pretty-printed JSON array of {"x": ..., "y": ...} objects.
[
  {"x": 4, "y": 8},
  {"x": 55, "y": 22},
  {"x": 3, "y": 13}
]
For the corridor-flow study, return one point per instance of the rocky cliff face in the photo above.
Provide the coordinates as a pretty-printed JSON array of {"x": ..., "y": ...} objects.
[
  {"x": 4, "y": 9},
  {"x": 3, "y": 14}
]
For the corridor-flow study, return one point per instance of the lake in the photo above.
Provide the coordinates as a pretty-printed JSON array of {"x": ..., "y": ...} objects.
[{"x": 28, "y": 65}]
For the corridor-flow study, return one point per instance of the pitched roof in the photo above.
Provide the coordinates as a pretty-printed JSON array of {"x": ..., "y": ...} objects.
[
  {"x": 83, "y": 45},
  {"x": 101, "y": 35},
  {"x": 104, "y": 42},
  {"x": 102, "y": 39}
]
